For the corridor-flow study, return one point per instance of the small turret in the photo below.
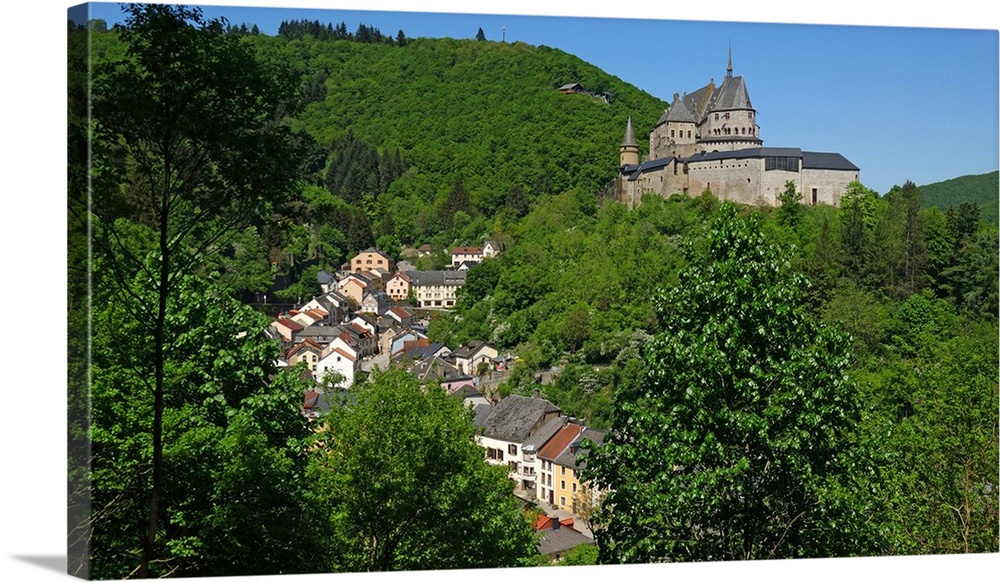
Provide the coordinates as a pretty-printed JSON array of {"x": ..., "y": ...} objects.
[{"x": 628, "y": 153}]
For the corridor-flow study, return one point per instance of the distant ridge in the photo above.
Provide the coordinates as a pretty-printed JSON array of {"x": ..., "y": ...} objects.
[{"x": 981, "y": 189}]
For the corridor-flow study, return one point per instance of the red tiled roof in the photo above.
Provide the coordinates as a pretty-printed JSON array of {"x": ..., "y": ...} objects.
[
  {"x": 401, "y": 312},
  {"x": 558, "y": 443},
  {"x": 467, "y": 251},
  {"x": 545, "y": 522},
  {"x": 292, "y": 325}
]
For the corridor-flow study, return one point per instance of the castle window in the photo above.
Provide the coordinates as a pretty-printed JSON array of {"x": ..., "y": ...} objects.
[
  {"x": 786, "y": 163},
  {"x": 716, "y": 116},
  {"x": 689, "y": 134},
  {"x": 671, "y": 133}
]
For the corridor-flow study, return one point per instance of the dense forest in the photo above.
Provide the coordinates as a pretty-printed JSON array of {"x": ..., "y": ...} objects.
[{"x": 231, "y": 166}]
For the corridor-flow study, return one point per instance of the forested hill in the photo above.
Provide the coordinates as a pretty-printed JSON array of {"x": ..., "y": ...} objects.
[
  {"x": 487, "y": 113},
  {"x": 981, "y": 189}
]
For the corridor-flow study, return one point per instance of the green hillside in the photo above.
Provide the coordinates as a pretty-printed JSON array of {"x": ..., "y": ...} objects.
[
  {"x": 981, "y": 189},
  {"x": 487, "y": 112}
]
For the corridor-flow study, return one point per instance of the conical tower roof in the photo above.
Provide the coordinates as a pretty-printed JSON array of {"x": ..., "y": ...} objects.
[{"x": 629, "y": 139}]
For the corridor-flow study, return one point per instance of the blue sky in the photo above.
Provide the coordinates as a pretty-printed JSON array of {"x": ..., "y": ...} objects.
[{"x": 901, "y": 101}]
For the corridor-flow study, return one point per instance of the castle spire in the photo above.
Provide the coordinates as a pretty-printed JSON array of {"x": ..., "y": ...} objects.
[
  {"x": 629, "y": 139},
  {"x": 628, "y": 153},
  {"x": 729, "y": 67}
]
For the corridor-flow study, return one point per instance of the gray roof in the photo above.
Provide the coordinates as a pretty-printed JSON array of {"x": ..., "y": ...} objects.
[
  {"x": 545, "y": 432},
  {"x": 570, "y": 457},
  {"x": 649, "y": 166},
  {"x": 629, "y": 139},
  {"x": 517, "y": 417},
  {"x": 746, "y": 153},
  {"x": 437, "y": 278},
  {"x": 679, "y": 111},
  {"x": 731, "y": 95},
  {"x": 557, "y": 541},
  {"x": 480, "y": 413},
  {"x": 826, "y": 161},
  {"x": 323, "y": 277}
]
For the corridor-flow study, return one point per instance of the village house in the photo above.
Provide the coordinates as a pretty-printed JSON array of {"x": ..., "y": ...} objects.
[
  {"x": 436, "y": 288},
  {"x": 469, "y": 357},
  {"x": 571, "y": 492},
  {"x": 510, "y": 423},
  {"x": 339, "y": 357},
  {"x": 354, "y": 286},
  {"x": 489, "y": 250},
  {"x": 337, "y": 305},
  {"x": 306, "y": 351},
  {"x": 398, "y": 286},
  {"x": 548, "y": 477},
  {"x": 461, "y": 255},
  {"x": 286, "y": 328},
  {"x": 375, "y": 303},
  {"x": 401, "y": 315},
  {"x": 371, "y": 258},
  {"x": 557, "y": 536}
]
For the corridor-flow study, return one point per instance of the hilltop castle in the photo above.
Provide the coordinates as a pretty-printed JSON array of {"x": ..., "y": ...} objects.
[{"x": 710, "y": 140}]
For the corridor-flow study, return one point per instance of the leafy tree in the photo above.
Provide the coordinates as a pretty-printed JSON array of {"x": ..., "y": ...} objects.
[
  {"x": 737, "y": 443},
  {"x": 187, "y": 141},
  {"x": 581, "y": 555},
  {"x": 406, "y": 487},
  {"x": 234, "y": 442},
  {"x": 790, "y": 212}
]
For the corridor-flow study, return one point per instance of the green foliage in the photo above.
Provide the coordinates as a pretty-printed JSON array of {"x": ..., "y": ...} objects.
[
  {"x": 738, "y": 442},
  {"x": 406, "y": 487},
  {"x": 582, "y": 555},
  {"x": 981, "y": 190},
  {"x": 230, "y": 425}
]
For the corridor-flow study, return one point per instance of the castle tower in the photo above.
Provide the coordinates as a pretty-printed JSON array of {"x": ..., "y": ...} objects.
[
  {"x": 628, "y": 153},
  {"x": 730, "y": 121},
  {"x": 675, "y": 132}
]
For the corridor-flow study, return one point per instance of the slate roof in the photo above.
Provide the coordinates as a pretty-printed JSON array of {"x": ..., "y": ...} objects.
[
  {"x": 731, "y": 95},
  {"x": 650, "y": 166},
  {"x": 517, "y": 417},
  {"x": 570, "y": 456},
  {"x": 437, "y": 278},
  {"x": 544, "y": 433},
  {"x": 629, "y": 139},
  {"x": 563, "y": 539},
  {"x": 826, "y": 161},
  {"x": 480, "y": 413},
  {"x": 679, "y": 111}
]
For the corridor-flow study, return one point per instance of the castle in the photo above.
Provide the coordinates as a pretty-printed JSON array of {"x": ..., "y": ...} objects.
[{"x": 709, "y": 140}]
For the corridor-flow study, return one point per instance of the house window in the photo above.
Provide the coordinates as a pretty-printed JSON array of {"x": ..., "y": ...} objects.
[
  {"x": 562, "y": 470},
  {"x": 562, "y": 501},
  {"x": 815, "y": 196},
  {"x": 562, "y": 485},
  {"x": 513, "y": 466},
  {"x": 574, "y": 487},
  {"x": 512, "y": 449}
]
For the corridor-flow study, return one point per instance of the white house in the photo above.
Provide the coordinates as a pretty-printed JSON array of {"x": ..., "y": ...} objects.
[
  {"x": 518, "y": 421},
  {"x": 341, "y": 358}
]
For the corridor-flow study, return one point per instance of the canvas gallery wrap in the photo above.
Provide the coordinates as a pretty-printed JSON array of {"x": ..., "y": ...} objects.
[{"x": 367, "y": 291}]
